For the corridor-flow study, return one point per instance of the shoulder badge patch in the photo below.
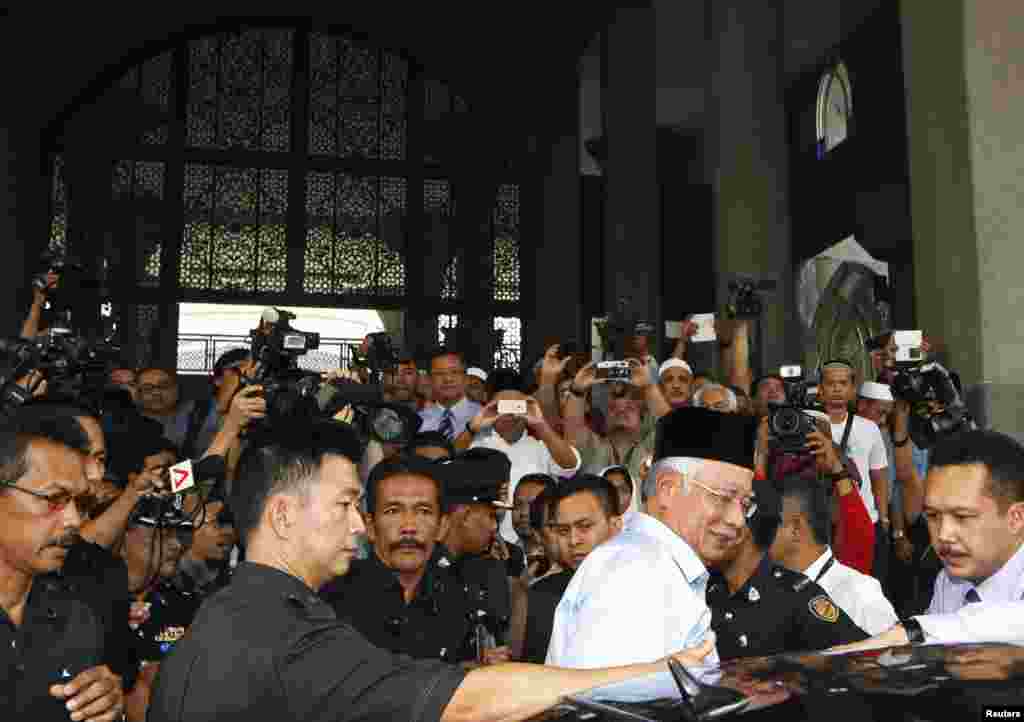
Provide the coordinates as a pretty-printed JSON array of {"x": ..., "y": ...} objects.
[{"x": 824, "y": 609}]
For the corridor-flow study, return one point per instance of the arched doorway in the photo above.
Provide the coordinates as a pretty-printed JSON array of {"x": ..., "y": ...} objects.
[{"x": 289, "y": 166}]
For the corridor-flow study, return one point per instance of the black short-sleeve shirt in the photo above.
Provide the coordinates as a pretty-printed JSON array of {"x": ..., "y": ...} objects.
[
  {"x": 59, "y": 638},
  {"x": 543, "y": 599},
  {"x": 267, "y": 647},
  {"x": 777, "y": 610}
]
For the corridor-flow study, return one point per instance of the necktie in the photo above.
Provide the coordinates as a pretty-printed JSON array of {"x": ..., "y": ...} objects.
[
  {"x": 972, "y": 596},
  {"x": 447, "y": 424}
]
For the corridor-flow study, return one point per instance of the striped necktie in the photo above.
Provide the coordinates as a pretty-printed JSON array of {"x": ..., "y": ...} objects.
[
  {"x": 972, "y": 596},
  {"x": 447, "y": 424}
]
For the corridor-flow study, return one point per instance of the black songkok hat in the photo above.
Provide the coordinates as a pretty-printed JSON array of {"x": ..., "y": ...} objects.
[{"x": 705, "y": 434}]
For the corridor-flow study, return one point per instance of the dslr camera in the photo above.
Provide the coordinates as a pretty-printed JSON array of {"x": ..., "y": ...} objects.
[
  {"x": 788, "y": 424},
  {"x": 613, "y": 371},
  {"x": 937, "y": 407}
]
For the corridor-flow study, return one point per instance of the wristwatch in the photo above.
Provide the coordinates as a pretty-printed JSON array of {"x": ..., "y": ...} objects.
[{"x": 915, "y": 635}]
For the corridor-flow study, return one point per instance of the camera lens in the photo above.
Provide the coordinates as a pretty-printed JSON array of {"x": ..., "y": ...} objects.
[{"x": 786, "y": 421}]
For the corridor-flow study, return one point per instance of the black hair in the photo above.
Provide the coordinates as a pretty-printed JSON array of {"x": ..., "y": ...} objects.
[
  {"x": 447, "y": 351},
  {"x": 763, "y": 528},
  {"x": 504, "y": 380},
  {"x": 127, "y": 449},
  {"x": 433, "y": 440},
  {"x": 740, "y": 393},
  {"x": 286, "y": 460},
  {"x": 600, "y": 487},
  {"x": 814, "y": 503},
  {"x": 231, "y": 357},
  {"x": 405, "y": 464},
  {"x": 998, "y": 453},
  {"x": 13, "y": 454},
  {"x": 55, "y": 421}
]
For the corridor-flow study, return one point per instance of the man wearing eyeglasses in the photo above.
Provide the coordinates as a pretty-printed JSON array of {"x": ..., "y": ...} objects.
[
  {"x": 643, "y": 591},
  {"x": 760, "y": 608},
  {"x": 51, "y": 643}
]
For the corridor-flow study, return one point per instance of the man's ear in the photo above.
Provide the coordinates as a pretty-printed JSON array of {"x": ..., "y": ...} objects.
[
  {"x": 280, "y": 516},
  {"x": 668, "y": 483},
  {"x": 616, "y": 524},
  {"x": 1015, "y": 516},
  {"x": 443, "y": 527}
]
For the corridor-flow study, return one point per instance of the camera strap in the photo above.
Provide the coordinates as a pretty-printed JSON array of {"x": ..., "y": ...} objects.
[{"x": 846, "y": 438}]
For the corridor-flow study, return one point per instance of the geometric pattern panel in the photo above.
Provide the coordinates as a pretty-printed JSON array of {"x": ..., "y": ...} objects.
[
  {"x": 240, "y": 87},
  {"x": 438, "y": 212},
  {"x": 354, "y": 237},
  {"x": 357, "y": 100},
  {"x": 153, "y": 83},
  {"x": 508, "y": 351},
  {"x": 235, "y": 232},
  {"x": 447, "y": 323},
  {"x": 147, "y": 319},
  {"x": 58, "y": 209},
  {"x": 506, "y": 243},
  {"x": 141, "y": 186}
]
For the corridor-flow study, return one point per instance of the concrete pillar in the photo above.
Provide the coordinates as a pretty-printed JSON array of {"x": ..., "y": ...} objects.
[
  {"x": 555, "y": 306},
  {"x": 964, "y": 70},
  {"x": 751, "y": 182},
  {"x": 632, "y": 243}
]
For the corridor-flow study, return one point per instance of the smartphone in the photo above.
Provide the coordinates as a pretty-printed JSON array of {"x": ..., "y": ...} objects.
[
  {"x": 908, "y": 346},
  {"x": 511, "y": 408},
  {"x": 613, "y": 371},
  {"x": 705, "y": 327}
]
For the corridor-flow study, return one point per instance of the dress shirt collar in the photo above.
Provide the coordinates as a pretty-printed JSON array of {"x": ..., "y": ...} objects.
[
  {"x": 813, "y": 570},
  {"x": 1005, "y": 584},
  {"x": 688, "y": 561}
]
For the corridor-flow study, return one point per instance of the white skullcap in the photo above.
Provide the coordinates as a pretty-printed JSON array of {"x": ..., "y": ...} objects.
[
  {"x": 479, "y": 373},
  {"x": 872, "y": 390},
  {"x": 674, "y": 363}
]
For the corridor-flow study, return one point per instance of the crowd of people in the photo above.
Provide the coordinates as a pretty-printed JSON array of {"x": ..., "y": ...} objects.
[{"x": 312, "y": 570}]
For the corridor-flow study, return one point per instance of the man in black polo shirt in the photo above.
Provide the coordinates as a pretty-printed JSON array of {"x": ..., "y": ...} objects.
[
  {"x": 268, "y": 647},
  {"x": 51, "y": 644}
]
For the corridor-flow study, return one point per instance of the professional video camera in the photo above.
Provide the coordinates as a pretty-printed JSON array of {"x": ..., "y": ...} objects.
[
  {"x": 377, "y": 354},
  {"x": 788, "y": 423},
  {"x": 72, "y": 367},
  {"x": 745, "y": 301},
  {"x": 936, "y": 405}
]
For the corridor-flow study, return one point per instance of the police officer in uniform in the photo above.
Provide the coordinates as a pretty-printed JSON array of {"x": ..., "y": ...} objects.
[
  {"x": 760, "y": 608},
  {"x": 268, "y": 647},
  {"x": 406, "y": 596}
]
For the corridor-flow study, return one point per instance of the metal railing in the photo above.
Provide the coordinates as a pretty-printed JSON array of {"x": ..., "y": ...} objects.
[{"x": 197, "y": 353}]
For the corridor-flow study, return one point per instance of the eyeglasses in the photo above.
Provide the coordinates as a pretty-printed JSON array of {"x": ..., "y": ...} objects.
[
  {"x": 748, "y": 507},
  {"x": 57, "y": 501}
]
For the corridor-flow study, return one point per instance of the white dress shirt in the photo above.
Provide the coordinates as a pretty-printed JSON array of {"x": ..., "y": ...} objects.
[
  {"x": 866, "y": 449},
  {"x": 857, "y": 594},
  {"x": 998, "y": 617},
  {"x": 528, "y": 456},
  {"x": 636, "y": 598}
]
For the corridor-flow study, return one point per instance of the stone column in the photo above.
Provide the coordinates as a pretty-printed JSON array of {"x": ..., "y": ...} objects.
[
  {"x": 964, "y": 70},
  {"x": 752, "y": 180}
]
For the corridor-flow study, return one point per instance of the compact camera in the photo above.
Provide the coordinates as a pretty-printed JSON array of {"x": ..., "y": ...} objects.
[{"x": 614, "y": 371}]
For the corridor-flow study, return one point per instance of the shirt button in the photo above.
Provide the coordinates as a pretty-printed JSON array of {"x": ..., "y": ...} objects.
[
  {"x": 743, "y": 640},
  {"x": 728, "y": 616},
  {"x": 19, "y": 668}
]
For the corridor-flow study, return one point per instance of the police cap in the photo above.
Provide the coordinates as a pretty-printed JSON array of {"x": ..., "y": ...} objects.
[{"x": 477, "y": 476}]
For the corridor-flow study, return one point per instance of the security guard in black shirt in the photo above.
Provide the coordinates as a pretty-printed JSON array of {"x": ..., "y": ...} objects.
[
  {"x": 51, "y": 643},
  {"x": 267, "y": 647},
  {"x": 759, "y": 608},
  {"x": 406, "y": 597}
]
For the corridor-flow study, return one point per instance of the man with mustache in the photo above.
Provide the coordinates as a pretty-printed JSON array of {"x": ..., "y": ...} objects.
[
  {"x": 974, "y": 507},
  {"x": 405, "y": 597},
  {"x": 51, "y": 643}
]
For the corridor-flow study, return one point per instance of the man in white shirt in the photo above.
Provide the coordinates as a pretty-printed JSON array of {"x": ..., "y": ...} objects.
[
  {"x": 974, "y": 505},
  {"x": 802, "y": 545},
  {"x": 643, "y": 591},
  {"x": 864, "y": 446},
  {"x": 451, "y": 410},
  {"x": 541, "y": 451}
]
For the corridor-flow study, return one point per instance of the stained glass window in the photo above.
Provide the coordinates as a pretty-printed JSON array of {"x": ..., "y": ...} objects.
[
  {"x": 357, "y": 100},
  {"x": 234, "y": 237},
  {"x": 834, "y": 108},
  {"x": 354, "y": 241},
  {"x": 506, "y": 243},
  {"x": 447, "y": 323},
  {"x": 239, "y": 93}
]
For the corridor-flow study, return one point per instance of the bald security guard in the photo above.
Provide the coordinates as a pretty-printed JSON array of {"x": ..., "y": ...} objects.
[
  {"x": 759, "y": 608},
  {"x": 267, "y": 647}
]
